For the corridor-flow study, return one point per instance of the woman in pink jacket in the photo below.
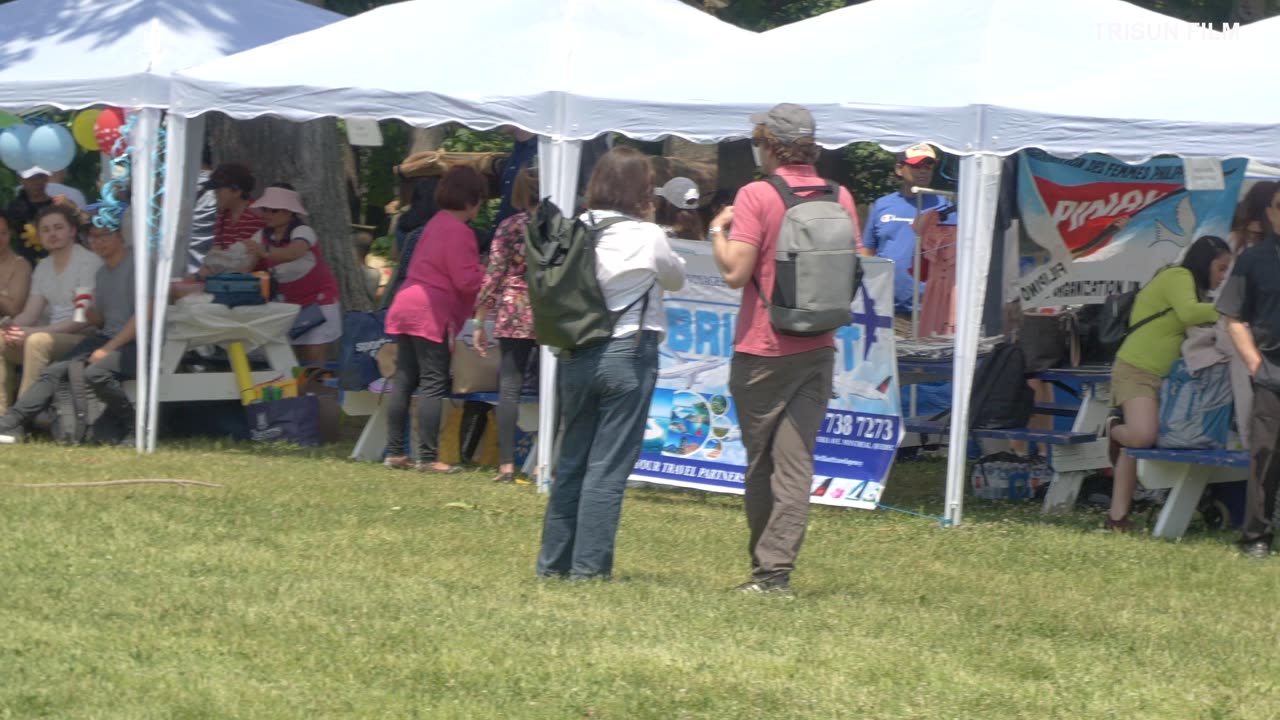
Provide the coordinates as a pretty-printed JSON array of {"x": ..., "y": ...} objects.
[{"x": 429, "y": 310}]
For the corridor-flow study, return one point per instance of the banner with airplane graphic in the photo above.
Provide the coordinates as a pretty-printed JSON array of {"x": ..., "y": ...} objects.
[
  {"x": 692, "y": 437},
  {"x": 1105, "y": 223}
]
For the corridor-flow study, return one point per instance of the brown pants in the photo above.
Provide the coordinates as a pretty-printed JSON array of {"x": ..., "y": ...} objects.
[
  {"x": 780, "y": 402},
  {"x": 1264, "y": 471},
  {"x": 34, "y": 356}
]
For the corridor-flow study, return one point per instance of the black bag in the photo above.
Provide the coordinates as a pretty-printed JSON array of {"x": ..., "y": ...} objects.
[
  {"x": 295, "y": 420},
  {"x": 79, "y": 417},
  {"x": 235, "y": 289},
  {"x": 1045, "y": 341},
  {"x": 1001, "y": 397},
  {"x": 1113, "y": 323}
]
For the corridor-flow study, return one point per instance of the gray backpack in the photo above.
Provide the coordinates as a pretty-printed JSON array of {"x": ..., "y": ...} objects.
[{"x": 818, "y": 268}]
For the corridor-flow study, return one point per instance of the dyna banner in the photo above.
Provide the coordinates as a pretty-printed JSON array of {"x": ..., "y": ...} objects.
[
  {"x": 1105, "y": 223},
  {"x": 693, "y": 439}
]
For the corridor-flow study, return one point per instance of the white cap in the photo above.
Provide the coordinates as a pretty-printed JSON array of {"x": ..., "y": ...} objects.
[
  {"x": 681, "y": 192},
  {"x": 32, "y": 172}
]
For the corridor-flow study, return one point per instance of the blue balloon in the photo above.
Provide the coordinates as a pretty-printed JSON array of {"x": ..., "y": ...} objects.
[
  {"x": 51, "y": 147},
  {"x": 13, "y": 147}
]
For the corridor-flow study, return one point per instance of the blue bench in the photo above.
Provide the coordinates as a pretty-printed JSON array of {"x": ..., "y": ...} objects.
[
  {"x": 1209, "y": 458},
  {"x": 1048, "y": 437},
  {"x": 1185, "y": 473}
]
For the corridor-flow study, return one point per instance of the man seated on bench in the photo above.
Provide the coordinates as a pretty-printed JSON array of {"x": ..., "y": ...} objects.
[{"x": 109, "y": 353}]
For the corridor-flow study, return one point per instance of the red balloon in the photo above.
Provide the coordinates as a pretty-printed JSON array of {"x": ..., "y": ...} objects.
[{"x": 107, "y": 131}]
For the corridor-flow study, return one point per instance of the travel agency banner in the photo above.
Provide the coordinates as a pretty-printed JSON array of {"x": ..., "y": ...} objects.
[
  {"x": 1107, "y": 224},
  {"x": 693, "y": 439}
]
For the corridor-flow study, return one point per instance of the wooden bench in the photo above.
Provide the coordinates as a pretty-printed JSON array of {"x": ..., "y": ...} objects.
[{"x": 1185, "y": 473}]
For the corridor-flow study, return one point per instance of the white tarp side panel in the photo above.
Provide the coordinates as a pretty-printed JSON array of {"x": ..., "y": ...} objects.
[
  {"x": 1137, "y": 142},
  {"x": 183, "y": 139},
  {"x": 142, "y": 147},
  {"x": 422, "y": 108},
  {"x": 533, "y": 53},
  {"x": 189, "y": 191},
  {"x": 1257, "y": 170},
  {"x": 76, "y": 53},
  {"x": 558, "y": 175},
  {"x": 650, "y": 112},
  {"x": 977, "y": 199}
]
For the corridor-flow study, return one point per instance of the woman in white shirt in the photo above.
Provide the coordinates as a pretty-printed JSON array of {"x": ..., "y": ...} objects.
[
  {"x": 604, "y": 390},
  {"x": 46, "y": 329}
]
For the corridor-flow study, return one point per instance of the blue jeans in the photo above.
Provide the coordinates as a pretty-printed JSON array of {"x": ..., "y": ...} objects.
[{"x": 604, "y": 395}]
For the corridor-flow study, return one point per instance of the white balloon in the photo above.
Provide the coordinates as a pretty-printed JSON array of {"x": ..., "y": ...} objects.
[
  {"x": 13, "y": 147},
  {"x": 51, "y": 147}
]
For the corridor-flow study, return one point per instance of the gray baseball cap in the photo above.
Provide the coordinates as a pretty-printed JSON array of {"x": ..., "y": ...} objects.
[
  {"x": 681, "y": 192},
  {"x": 787, "y": 121}
]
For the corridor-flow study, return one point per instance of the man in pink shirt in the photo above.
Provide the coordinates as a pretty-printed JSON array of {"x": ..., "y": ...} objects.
[{"x": 780, "y": 383}]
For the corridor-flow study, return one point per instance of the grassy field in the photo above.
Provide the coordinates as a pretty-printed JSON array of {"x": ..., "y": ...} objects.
[{"x": 310, "y": 587}]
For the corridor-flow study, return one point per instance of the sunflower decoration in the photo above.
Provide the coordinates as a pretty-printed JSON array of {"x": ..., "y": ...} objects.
[{"x": 31, "y": 238}]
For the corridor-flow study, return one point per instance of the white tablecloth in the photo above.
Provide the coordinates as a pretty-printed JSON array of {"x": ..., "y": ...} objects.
[{"x": 213, "y": 324}]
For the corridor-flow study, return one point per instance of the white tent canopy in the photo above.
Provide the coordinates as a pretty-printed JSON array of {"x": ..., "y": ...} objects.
[
  {"x": 977, "y": 77},
  {"x": 77, "y": 53},
  {"x": 973, "y": 76},
  {"x": 481, "y": 63},
  {"x": 519, "y": 63}
]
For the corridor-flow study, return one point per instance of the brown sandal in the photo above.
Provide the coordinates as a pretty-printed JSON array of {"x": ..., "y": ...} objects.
[
  {"x": 452, "y": 470},
  {"x": 1123, "y": 525},
  {"x": 399, "y": 462}
]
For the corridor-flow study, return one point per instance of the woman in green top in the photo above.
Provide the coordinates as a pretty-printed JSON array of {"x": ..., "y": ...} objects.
[{"x": 1174, "y": 300}]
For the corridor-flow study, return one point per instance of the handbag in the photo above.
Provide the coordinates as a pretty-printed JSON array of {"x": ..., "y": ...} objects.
[
  {"x": 472, "y": 373},
  {"x": 309, "y": 318},
  {"x": 295, "y": 420},
  {"x": 364, "y": 334},
  {"x": 1045, "y": 340}
]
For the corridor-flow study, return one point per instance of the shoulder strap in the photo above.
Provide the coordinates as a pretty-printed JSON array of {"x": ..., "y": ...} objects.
[
  {"x": 599, "y": 226},
  {"x": 790, "y": 194},
  {"x": 1144, "y": 321},
  {"x": 1141, "y": 323}
]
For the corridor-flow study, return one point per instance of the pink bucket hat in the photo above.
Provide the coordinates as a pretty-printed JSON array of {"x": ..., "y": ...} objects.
[{"x": 275, "y": 198}]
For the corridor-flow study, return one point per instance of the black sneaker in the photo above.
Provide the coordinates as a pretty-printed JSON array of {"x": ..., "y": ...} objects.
[
  {"x": 12, "y": 435},
  {"x": 772, "y": 586},
  {"x": 1256, "y": 549}
]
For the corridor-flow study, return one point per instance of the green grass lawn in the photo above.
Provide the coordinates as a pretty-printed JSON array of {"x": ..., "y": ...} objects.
[{"x": 311, "y": 587}]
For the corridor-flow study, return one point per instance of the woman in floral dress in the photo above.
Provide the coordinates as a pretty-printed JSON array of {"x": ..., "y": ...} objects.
[{"x": 504, "y": 291}]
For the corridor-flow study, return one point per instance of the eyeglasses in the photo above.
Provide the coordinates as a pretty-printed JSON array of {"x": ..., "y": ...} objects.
[{"x": 273, "y": 210}]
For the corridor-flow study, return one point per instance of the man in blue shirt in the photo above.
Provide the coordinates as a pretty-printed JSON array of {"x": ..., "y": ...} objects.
[
  {"x": 523, "y": 152},
  {"x": 888, "y": 232}
]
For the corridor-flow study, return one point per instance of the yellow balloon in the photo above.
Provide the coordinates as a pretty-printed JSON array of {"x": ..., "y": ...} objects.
[{"x": 82, "y": 129}]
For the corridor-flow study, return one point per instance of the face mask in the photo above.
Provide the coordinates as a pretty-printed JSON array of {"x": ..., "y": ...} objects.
[{"x": 757, "y": 155}]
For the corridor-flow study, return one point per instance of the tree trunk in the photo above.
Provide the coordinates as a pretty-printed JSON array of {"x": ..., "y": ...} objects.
[
  {"x": 422, "y": 139},
  {"x": 308, "y": 156}
]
